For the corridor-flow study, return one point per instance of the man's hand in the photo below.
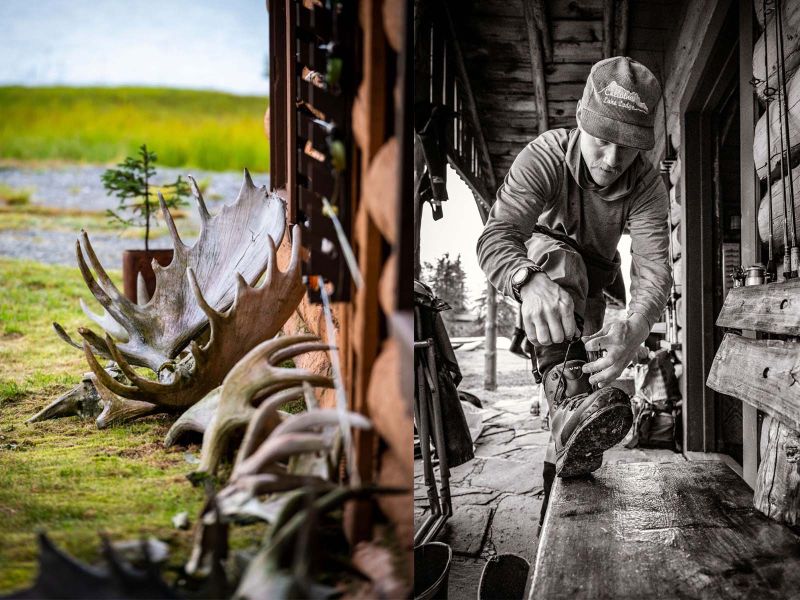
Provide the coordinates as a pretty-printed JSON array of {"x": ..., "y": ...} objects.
[
  {"x": 547, "y": 311},
  {"x": 620, "y": 340}
]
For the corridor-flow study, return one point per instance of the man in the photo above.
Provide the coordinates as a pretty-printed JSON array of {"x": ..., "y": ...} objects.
[{"x": 550, "y": 242}]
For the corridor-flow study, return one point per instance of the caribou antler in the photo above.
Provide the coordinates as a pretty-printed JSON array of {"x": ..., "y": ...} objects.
[
  {"x": 257, "y": 314},
  {"x": 257, "y": 376},
  {"x": 230, "y": 246}
]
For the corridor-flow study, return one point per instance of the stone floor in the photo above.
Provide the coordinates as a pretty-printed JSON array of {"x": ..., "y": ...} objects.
[{"x": 497, "y": 496}]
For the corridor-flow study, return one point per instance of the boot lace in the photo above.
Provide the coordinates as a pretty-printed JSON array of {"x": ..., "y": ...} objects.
[{"x": 561, "y": 388}]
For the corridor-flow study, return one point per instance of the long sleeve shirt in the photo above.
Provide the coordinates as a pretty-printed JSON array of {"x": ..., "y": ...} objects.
[{"x": 548, "y": 184}]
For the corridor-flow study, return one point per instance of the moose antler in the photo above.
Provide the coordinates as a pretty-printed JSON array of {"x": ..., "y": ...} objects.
[
  {"x": 231, "y": 245},
  {"x": 258, "y": 376},
  {"x": 257, "y": 314}
]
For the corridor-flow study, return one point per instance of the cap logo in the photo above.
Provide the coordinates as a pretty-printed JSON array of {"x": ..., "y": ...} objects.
[{"x": 616, "y": 95}]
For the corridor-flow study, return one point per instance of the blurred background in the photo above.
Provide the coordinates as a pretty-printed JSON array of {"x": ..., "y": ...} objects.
[{"x": 83, "y": 84}]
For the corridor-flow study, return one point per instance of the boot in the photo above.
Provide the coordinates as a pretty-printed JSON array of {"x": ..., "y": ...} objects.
[{"x": 584, "y": 423}]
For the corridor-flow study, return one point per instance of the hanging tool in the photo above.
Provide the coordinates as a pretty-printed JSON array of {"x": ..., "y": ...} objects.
[
  {"x": 665, "y": 168},
  {"x": 792, "y": 251},
  {"x": 787, "y": 265},
  {"x": 768, "y": 94}
]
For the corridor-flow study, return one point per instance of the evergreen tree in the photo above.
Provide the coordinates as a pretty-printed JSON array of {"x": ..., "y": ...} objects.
[
  {"x": 506, "y": 312},
  {"x": 448, "y": 280},
  {"x": 131, "y": 183}
]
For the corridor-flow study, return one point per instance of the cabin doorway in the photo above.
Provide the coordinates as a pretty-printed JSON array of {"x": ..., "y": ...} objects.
[{"x": 712, "y": 236}]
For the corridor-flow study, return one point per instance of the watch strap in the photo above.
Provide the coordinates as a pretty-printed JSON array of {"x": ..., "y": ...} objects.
[{"x": 516, "y": 288}]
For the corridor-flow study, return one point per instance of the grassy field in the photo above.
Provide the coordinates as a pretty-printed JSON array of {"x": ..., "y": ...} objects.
[
  {"x": 66, "y": 477},
  {"x": 205, "y": 130}
]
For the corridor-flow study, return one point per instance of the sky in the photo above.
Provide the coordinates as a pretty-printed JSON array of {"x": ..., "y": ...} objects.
[
  {"x": 203, "y": 44},
  {"x": 457, "y": 233}
]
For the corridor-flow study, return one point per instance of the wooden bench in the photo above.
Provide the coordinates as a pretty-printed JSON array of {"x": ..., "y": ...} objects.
[{"x": 668, "y": 530}]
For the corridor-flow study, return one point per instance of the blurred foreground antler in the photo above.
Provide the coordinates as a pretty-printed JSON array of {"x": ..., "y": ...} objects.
[
  {"x": 280, "y": 452},
  {"x": 253, "y": 391}
]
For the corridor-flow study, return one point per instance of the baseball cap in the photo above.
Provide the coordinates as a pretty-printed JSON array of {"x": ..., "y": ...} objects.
[{"x": 619, "y": 102}]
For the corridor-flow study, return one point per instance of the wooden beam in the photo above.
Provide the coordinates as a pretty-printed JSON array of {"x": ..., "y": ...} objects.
[
  {"x": 698, "y": 335},
  {"x": 290, "y": 100},
  {"x": 279, "y": 109},
  {"x": 569, "y": 9},
  {"x": 669, "y": 530},
  {"x": 771, "y": 308},
  {"x": 608, "y": 28},
  {"x": 621, "y": 25},
  {"x": 365, "y": 330},
  {"x": 762, "y": 373},
  {"x": 777, "y": 491},
  {"x": 543, "y": 25},
  {"x": 537, "y": 64},
  {"x": 469, "y": 98}
]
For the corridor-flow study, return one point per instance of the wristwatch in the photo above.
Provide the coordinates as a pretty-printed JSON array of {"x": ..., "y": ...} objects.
[{"x": 522, "y": 276}]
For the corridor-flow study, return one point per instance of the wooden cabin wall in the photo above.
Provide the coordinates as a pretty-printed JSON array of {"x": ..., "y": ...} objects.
[
  {"x": 380, "y": 351},
  {"x": 693, "y": 27},
  {"x": 372, "y": 330},
  {"x": 770, "y": 377},
  {"x": 758, "y": 359}
]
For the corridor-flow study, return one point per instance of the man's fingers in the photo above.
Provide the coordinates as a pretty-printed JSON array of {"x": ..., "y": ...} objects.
[
  {"x": 599, "y": 364},
  {"x": 596, "y": 334},
  {"x": 567, "y": 319},
  {"x": 594, "y": 344},
  {"x": 554, "y": 324},
  {"x": 542, "y": 330},
  {"x": 605, "y": 376}
]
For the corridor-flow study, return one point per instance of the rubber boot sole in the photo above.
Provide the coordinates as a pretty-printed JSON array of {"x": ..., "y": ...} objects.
[{"x": 583, "y": 452}]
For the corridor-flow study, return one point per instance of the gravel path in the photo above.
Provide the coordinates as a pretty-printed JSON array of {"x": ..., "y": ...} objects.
[
  {"x": 58, "y": 247},
  {"x": 80, "y": 187}
]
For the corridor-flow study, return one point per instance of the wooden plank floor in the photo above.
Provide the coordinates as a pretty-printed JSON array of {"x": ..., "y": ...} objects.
[{"x": 668, "y": 530}]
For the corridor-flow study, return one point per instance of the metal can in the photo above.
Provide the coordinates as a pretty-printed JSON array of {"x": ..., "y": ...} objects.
[{"x": 754, "y": 274}]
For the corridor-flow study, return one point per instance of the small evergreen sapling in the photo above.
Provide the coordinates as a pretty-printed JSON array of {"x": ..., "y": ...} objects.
[{"x": 131, "y": 183}]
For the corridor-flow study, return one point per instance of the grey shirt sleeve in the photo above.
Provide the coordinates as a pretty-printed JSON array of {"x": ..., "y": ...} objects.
[
  {"x": 651, "y": 273},
  {"x": 531, "y": 183}
]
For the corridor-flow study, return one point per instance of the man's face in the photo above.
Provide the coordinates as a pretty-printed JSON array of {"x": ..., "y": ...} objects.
[{"x": 606, "y": 161}]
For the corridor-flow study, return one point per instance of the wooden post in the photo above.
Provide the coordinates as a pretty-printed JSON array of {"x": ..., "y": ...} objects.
[
  {"x": 536, "y": 53},
  {"x": 490, "y": 357},
  {"x": 751, "y": 246},
  {"x": 621, "y": 28},
  {"x": 544, "y": 28},
  {"x": 608, "y": 28},
  {"x": 777, "y": 492}
]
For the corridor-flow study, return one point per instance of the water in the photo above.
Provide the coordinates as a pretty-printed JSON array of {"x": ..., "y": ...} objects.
[{"x": 210, "y": 44}]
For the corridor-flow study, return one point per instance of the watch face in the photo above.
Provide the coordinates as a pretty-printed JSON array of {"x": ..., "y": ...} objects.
[{"x": 520, "y": 275}]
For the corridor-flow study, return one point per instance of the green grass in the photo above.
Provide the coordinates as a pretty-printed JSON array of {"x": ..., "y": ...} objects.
[
  {"x": 14, "y": 196},
  {"x": 65, "y": 476},
  {"x": 205, "y": 130}
]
